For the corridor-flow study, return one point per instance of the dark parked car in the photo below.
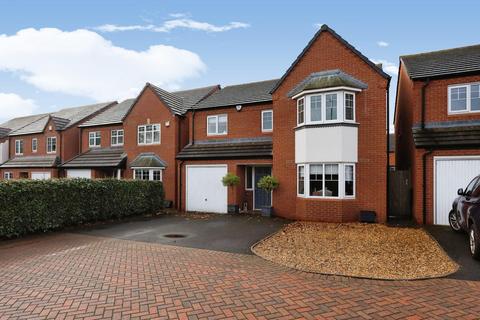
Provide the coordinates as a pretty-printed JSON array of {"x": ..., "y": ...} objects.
[{"x": 465, "y": 215}]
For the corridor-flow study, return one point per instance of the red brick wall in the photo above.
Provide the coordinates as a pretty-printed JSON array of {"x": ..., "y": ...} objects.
[
  {"x": 105, "y": 134},
  {"x": 328, "y": 53},
  {"x": 150, "y": 109},
  {"x": 241, "y": 124},
  {"x": 16, "y": 172}
]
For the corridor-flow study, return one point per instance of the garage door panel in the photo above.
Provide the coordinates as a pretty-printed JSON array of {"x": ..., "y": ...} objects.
[
  {"x": 79, "y": 173},
  {"x": 40, "y": 175},
  {"x": 450, "y": 175},
  {"x": 205, "y": 191}
]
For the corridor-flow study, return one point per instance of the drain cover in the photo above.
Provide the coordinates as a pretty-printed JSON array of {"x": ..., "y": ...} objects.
[{"x": 175, "y": 235}]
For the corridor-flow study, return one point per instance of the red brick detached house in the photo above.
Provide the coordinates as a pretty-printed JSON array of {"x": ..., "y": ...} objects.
[
  {"x": 437, "y": 120},
  {"x": 321, "y": 130},
  {"x": 37, "y": 145}
]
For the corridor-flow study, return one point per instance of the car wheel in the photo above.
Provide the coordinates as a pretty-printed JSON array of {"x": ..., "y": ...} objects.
[
  {"x": 454, "y": 224},
  {"x": 474, "y": 241}
]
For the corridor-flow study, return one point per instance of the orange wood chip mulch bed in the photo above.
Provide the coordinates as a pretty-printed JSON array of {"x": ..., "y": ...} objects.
[{"x": 358, "y": 250}]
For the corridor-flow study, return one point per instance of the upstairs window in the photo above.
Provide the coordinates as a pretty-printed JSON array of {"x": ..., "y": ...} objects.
[
  {"x": 349, "y": 101},
  {"x": 94, "y": 139},
  {"x": 267, "y": 120},
  {"x": 34, "y": 145},
  {"x": 18, "y": 147},
  {"x": 316, "y": 108},
  {"x": 217, "y": 125},
  {"x": 464, "y": 98},
  {"x": 301, "y": 111},
  {"x": 331, "y": 106},
  {"x": 117, "y": 137},
  {"x": 149, "y": 134},
  {"x": 51, "y": 144}
]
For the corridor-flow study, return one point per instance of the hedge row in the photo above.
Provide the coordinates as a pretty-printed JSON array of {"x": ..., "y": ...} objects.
[{"x": 28, "y": 206}]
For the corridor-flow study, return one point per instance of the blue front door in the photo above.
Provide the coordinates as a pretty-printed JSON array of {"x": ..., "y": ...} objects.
[{"x": 262, "y": 198}]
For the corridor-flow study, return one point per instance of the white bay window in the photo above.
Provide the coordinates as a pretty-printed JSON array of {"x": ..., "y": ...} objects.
[
  {"x": 147, "y": 174},
  {"x": 328, "y": 107},
  {"x": 326, "y": 180}
]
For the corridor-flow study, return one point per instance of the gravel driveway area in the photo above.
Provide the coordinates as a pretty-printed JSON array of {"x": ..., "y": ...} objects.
[{"x": 360, "y": 250}]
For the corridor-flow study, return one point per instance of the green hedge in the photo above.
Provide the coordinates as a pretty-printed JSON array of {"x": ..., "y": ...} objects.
[{"x": 28, "y": 206}]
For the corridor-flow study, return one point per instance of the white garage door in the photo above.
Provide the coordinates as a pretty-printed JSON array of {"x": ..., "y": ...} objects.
[
  {"x": 79, "y": 173},
  {"x": 451, "y": 174},
  {"x": 205, "y": 191},
  {"x": 40, "y": 175}
]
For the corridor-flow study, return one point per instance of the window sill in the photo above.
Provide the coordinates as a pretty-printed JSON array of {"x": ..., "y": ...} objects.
[
  {"x": 216, "y": 134},
  {"x": 148, "y": 144},
  {"x": 325, "y": 198}
]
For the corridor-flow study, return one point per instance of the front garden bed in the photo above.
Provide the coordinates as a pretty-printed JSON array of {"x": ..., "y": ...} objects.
[{"x": 358, "y": 250}]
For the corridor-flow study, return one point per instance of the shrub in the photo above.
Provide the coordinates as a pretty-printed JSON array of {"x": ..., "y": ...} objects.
[
  {"x": 28, "y": 206},
  {"x": 268, "y": 183},
  {"x": 230, "y": 180}
]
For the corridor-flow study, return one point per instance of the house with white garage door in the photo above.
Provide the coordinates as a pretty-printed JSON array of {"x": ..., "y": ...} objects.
[
  {"x": 437, "y": 127},
  {"x": 34, "y": 147}
]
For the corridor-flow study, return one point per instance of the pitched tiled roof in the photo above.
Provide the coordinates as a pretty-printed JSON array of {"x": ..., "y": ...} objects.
[
  {"x": 325, "y": 28},
  {"x": 62, "y": 119},
  {"x": 327, "y": 79},
  {"x": 239, "y": 94},
  {"x": 17, "y": 123},
  {"x": 101, "y": 157},
  {"x": 148, "y": 160},
  {"x": 172, "y": 101},
  {"x": 444, "y": 62},
  {"x": 112, "y": 115},
  {"x": 31, "y": 162},
  {"x": 228, "y": 148},
  {"x": 193, "y": 96}
]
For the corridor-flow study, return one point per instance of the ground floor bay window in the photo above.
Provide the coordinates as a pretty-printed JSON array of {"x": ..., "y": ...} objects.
[
  {"x": 147, "y": 174},
  {"x": 326, "y": 180}
]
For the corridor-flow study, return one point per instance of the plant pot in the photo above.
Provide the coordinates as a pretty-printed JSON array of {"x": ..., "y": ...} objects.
[
  {"x": 233, "y": 208},
  {"x": 267, "y": 211}
]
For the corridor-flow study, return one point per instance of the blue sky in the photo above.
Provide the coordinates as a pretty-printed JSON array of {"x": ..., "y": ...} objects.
[{"x": 56, "y": 54}]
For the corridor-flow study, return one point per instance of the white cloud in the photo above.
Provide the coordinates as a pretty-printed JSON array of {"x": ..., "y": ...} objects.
[
  {"x": 12, "y": 105},
  {"x": 83, "y": 63},
  {"x": 388, "y": 67},
  {"x": 181, "y": 22},
  {"x": 383, "y": 44}
]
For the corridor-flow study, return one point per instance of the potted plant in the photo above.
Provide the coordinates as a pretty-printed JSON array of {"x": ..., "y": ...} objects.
[
  {"x": 231, "y": 180},
  {"x": 267, "y": 183}
]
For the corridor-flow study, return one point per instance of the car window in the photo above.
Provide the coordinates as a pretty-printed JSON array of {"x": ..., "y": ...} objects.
[
  {"x": 471, "y": 186},
  {"x": 476, "y": 189}
]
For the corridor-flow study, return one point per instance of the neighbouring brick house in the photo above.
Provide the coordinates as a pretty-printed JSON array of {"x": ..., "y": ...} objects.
[
  {"x": 40, "y": 143},
  {"x": 321, "y": 130},
  {"x": 437, "y": 125}
]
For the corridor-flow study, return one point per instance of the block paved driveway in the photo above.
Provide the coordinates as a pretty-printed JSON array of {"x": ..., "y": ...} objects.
[{"x": 79, "y": 276}]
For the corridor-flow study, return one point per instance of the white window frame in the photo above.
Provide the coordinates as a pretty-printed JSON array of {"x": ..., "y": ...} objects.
[
  {"x": 8, "y": 175},
  {"x": 19, "y": 145},
  {"x": 468, "y": 86},
  {"x": 252, "y": 177},
  {"x": 51, "y": 144},
  {"x": 264, "y": 112},
  {"x": 340, "y": 107},
  {"x": 345, "y": 107},
  {"x": 34, "y": 150},
  {"x": 117, "y": 131},
  {"x": 341, "y": 181},
  {"x": 304, "y": 111},
  {"x": 94, "y": 135},
  {"x": 216, "y": 117},
  {"x": 150, "y": 173},
  {"x": 304, "y": 181},
  {"x": 144, "y": 126}
]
